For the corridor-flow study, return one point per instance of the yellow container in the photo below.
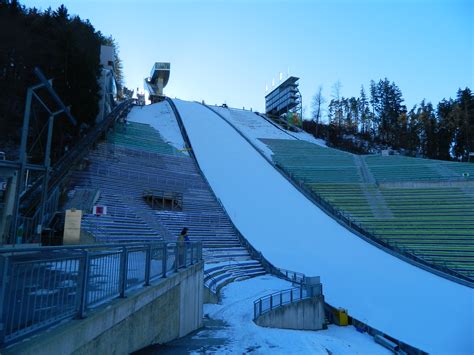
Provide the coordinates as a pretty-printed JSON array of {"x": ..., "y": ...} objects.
[{"x": 340, "y": 317}]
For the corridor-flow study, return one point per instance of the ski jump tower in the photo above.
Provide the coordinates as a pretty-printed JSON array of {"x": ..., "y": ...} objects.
[{"x": 159, "y": 76}]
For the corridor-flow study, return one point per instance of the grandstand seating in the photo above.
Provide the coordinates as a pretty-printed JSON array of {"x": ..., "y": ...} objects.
[
  {"x": 136, "y": 159},
  {"x": 226, "y": 272},
  {"x": 400, "y": 168},
  {"x": 434, "y": 222}
]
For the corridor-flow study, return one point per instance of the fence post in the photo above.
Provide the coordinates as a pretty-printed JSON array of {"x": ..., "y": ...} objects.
[
  {"x": 148, "y": 265},
  {"x": 291, "y": 296},
  {"x": 281, "y": 299},
  {"x": 176, "y": 257},
  {"x": 301, "y": 291},
  {"x": 123, "y": 272},
  {"x": 165, "y": 259},
  {"x": 185, "y": 248},
  {"x": 192, "y": 253},
  {"x": 271, "y": 302},
  {"x": 260, "y": 307},
  {"x": 4, "y": 268},
  {"x": 84, "y": 280}
]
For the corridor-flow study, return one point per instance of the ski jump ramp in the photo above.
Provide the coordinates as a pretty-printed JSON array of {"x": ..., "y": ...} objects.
[{"x": 402, "y": 300}]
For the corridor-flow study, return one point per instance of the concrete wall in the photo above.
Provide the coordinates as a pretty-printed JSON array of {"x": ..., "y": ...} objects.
[
  {"x": 156, "y": 314},
  {"x": 209, "y": 296},
  {"x": 307, "y": 314}
]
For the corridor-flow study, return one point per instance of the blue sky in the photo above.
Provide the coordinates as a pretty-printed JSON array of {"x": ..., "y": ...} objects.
[{"x": 228, "y": 51}]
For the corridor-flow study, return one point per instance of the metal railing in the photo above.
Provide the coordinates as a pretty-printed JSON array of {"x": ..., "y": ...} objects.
[
  {"x": 292, "y": 276},
  {"x": 281, "y": 298},
  {"x": 275, "y": 300},
  {"x": 41, "y": 286}
]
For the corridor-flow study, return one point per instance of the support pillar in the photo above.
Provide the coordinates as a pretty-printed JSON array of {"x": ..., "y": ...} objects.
[{"x": 8, "y": 206}]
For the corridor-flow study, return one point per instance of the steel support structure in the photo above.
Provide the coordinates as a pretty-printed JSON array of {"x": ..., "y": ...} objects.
[{"x": 23, "y": 164}]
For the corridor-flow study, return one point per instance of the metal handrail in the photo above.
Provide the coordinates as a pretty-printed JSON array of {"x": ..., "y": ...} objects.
[
  {"x": 293, "y": 276},
  {"x": 267, "y": 303},
  {"x": 42, "y": 286}
]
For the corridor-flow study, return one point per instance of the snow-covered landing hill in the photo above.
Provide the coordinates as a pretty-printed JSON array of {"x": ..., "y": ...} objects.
[{"x": 406, "y": 302}]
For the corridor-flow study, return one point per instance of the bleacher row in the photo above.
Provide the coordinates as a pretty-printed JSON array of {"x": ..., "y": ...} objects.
[
  {"x": 433, "y": 222},
  {"x": 136, "y": 159},
  {"x": 401, "y": 168}
]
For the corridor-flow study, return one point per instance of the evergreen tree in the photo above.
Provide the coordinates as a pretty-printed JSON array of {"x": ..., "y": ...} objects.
[
  {"x": 464, "y": 118},
  {"x": 387, "y": 99},
  {"x": 414, "y": 131},
  {"x": 66, "y": 49},
  {"x": 353, "y": 104},
  {"x": 375, "y": 107},
  {"x": 337, "y": 104},
  {"x": 446, "y": 128},
  {"x": 428, "y": 133},
  {"x": 403, "y": 133},
  {"x": 446, "y": 132},
  {"x": 364, "y": 111}
]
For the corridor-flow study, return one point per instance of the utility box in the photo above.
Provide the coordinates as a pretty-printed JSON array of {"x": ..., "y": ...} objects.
[
  {"x": 340, "y": 317},
  {"x": 72, "y": 227}
]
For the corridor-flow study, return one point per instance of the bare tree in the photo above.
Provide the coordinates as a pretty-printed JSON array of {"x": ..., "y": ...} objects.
[{"x": 317, "y": 108}]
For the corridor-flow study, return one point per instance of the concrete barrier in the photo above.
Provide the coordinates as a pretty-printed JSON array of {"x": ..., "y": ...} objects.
[
  {"x": 307, "y": 314},
  {"x": 209, "y": 296},
  {"x": 159, "y": 313}
]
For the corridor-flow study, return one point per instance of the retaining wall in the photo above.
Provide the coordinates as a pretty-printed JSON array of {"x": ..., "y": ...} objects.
[
  {"x": 307, "y": 314},
  {"x": 159, "y": 313}
]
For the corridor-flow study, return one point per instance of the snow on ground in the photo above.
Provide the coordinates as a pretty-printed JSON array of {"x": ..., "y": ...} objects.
[
  {"x": 254, "y": 127},
  {"x": 305, "y": 136},
  {"x": 245, "y": 336},
  {"x": 403, "y": 301},
  {"x": 161, "y": 117}
]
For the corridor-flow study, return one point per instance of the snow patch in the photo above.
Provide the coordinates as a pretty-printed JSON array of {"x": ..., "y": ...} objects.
[
  {"x": 161, "y": 117},
  {"x": 245, "y": 336}
]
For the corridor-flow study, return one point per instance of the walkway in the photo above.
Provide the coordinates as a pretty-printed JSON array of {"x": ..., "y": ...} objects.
[{"x": 229, "y": 329}]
